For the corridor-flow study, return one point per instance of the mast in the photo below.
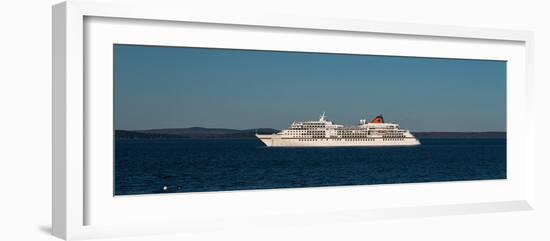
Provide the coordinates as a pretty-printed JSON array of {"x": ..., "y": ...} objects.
[{"x": 322, "y": 118}]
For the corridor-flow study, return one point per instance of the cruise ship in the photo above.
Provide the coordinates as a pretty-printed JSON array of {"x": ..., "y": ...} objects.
[{"x": 325, "y": 133}]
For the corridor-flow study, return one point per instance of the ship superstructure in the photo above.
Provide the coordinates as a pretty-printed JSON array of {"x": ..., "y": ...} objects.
[{"x": 326, "y": 133}]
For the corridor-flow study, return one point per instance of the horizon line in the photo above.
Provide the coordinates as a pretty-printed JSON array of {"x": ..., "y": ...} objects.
[{"x": 226, "y": 128}]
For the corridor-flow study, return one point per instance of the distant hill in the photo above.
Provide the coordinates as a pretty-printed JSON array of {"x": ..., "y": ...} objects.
[
  {"x": 122, "y": 134},
  {"x": 192, "y": 132},
  {"x": 460, "y": 135},
  {"x": 221, "y": 133}
]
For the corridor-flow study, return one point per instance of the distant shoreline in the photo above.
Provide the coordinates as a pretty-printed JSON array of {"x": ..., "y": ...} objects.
[
  {"x": 461, "y": 135},
  {"x": 221, "y": 133}
]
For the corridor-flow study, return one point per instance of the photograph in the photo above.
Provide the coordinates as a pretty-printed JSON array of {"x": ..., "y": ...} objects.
[
  {"x": 196, "y": 119},
  {"x": 275, "y": 120}
]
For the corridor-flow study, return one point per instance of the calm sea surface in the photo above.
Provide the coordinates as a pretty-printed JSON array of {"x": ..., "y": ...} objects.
[{"x": 146, "y": 166}]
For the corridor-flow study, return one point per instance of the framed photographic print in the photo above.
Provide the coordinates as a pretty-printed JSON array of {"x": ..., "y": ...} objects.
[{"x": 177, "y": 121}]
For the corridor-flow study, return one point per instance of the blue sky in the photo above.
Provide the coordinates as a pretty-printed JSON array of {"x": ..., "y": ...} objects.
[{"x": 170, "y": 87}]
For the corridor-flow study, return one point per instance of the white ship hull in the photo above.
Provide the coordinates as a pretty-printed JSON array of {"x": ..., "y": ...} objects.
[{"x": 275, "y": 140}]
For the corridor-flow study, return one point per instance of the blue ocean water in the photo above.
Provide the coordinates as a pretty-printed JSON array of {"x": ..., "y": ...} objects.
[{"x": 191, "y": 165}]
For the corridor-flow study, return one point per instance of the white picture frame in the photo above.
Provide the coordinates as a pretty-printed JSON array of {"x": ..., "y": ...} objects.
[{"x": 76, "y": 193}]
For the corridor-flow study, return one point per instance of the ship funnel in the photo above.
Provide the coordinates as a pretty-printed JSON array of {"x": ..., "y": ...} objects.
[{"x": 378, "y": 119}]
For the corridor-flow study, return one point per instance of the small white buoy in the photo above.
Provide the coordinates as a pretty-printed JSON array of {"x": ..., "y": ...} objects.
[{"x": 165, "y": 188}]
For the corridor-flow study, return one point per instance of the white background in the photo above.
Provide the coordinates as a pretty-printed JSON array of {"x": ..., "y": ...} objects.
[{"x": 25, "y": 104}]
